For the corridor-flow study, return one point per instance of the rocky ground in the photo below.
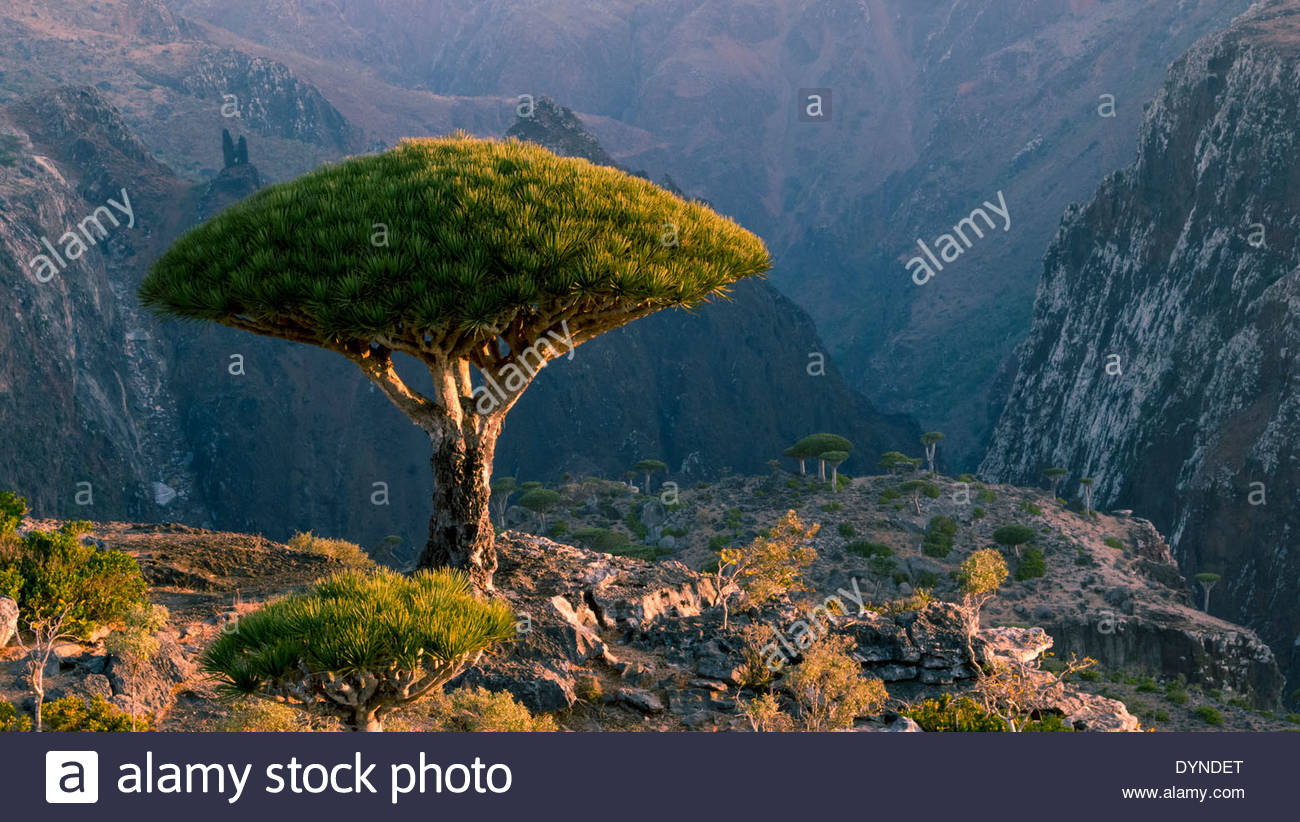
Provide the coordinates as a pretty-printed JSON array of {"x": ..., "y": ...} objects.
[
  {"x": 1110, "y": 589},
  {"x": 624, "y": 643}
]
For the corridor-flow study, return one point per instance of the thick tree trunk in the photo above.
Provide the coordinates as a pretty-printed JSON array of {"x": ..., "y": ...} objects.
[
  {"x": 365, "y": 720},
  {"x": 460, "y": 531}
]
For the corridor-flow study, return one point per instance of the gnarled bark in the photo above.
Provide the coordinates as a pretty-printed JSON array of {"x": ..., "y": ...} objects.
[{"x": 460, "y": 530}]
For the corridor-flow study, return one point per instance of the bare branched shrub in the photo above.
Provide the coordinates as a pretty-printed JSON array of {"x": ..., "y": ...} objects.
[{"x": 828, "y": 687}]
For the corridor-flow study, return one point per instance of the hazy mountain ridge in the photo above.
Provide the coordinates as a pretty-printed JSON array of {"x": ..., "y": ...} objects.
[{"x": 1187, "y": 266}]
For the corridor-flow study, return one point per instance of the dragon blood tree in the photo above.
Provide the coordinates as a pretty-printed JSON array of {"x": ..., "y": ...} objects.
[
  {"x": 482, "y": 259},
  {"x": 359, "y": 645}
]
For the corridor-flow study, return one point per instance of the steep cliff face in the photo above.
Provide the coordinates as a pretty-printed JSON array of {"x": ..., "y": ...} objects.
[
  {"x": 1165, "y": 349},
  {"x": 87, "y": 424}
]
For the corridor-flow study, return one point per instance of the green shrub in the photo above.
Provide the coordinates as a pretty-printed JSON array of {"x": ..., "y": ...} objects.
[
  {"x": 72, "y": 713},
  {"x": 1176, "y": 693},
  {"x": 978, "y": 513},
  {"x": 12, "y": 509},
  {"x": 47, "y": 570},
  {"x": 888, "y": 495},
  {"x": 956, "y": 715},
  {"x": 260, "y": 716},
  {"x": 474, "y": 710},
  {"x": 1208, "y": 715},
  {"x": 717, "y": 542},
  {"x": 772, "y": 565},
  {"x": 1028, "y": 507},
  {"x": 397, "y": 637},
  {"x": 939, "y": 535},
  {"x": 927, "y": 579},
  {"x": 986, "y": 495},
  {"x": 832, "y": 507},
  {"x": 908, "y": 604},
  {"x": 1031, "y": 565},
  {"x": 847, "y": 530},
  {"x": 1294, "y": 719},
  {"x": 9, "y": 150},
  {"x": 1090, "y": 675},
  {"x": 634, "y": 523},
  {"x": 646, "y": 552},
  {"x": 867, "y": 549},
  {"x": 349, "y": 554},
  {"x": 828, "y": 686},
  {"x": 1147, "y": 685},
  {"x": 602, "y": 540},
  {"x": 559, "y": 529},
  {"x": 733, "y": 519},
  {"x": 1049, "y": 723},
  {"x": 1114, "y": 543},
  {"x": 11, "y": 721}
]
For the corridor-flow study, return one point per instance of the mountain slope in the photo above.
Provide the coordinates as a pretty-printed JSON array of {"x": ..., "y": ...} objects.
[
  {"x": 1165, "y": 349},
  {"x": 85, "y": 414}
]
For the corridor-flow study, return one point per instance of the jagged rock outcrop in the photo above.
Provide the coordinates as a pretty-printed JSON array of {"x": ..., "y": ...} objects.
[
  {"x": 231, "y": 185},
  {"x": 651, "y": 629},
  {"x": 153, "y": 21},
  {"x": 1163, "y": 355},
  {"x": 266, "y": 96},
  {"x": 557, "y": 128}
]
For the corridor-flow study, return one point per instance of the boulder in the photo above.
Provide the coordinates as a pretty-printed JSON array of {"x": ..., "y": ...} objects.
[
  {"x": 720, "y": 667},
  {"x": 899, "y": 724},
  {"x": 8, "y": 620},
  {"x": 641, "y": 699},
  {"x": 154, "y": 684},
  {"x": 1014, "y": 644},
  {"x": 539, "y": 687},
  {"x": 1090, "y": 712}
]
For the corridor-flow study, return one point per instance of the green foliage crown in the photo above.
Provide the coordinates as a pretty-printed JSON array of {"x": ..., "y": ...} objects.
[{"x": 478, "y": 234}]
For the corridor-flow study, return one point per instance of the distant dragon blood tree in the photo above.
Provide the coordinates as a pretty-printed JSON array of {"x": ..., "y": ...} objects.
[{"x": 493, "y": 258}]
